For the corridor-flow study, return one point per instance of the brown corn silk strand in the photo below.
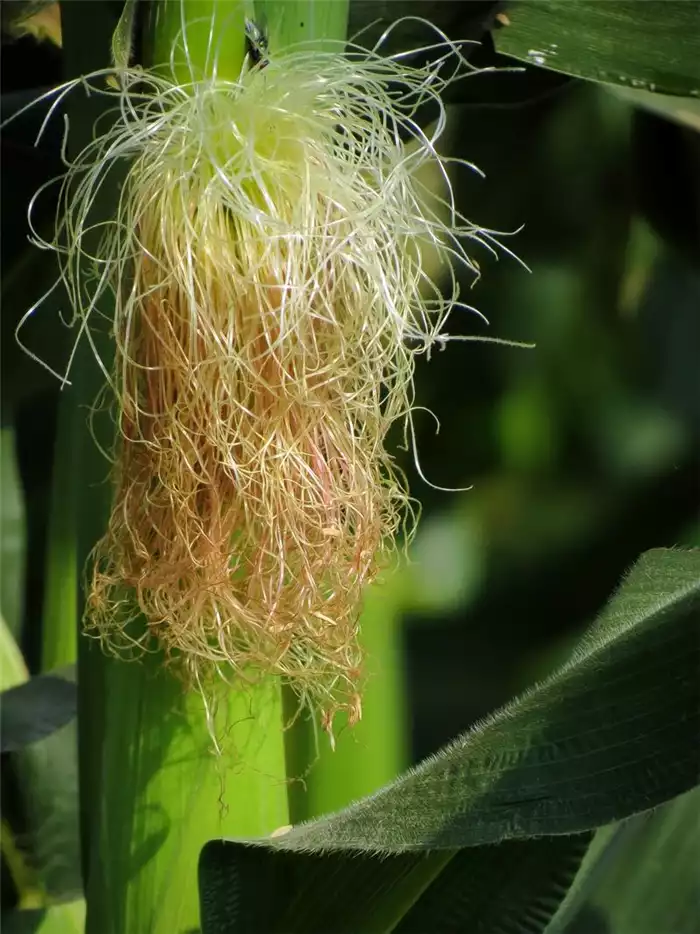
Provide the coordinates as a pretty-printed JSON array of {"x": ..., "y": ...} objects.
[{"x": 254, "y": 498}]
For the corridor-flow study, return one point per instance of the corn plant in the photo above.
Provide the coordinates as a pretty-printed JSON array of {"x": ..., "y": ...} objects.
[{"x": 254, "y": 266}]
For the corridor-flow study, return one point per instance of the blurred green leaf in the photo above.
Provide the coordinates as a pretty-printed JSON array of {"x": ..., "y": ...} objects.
[
  {"x": 669, "y": 319},
  {"x": 48, "y": 775},
  {"x": 653, "y": 45},
  {"x": 641, "y": 874},
  {"x": 527, "y": 428},
  {"x": 612, "y": 733},
  {"x": 446, "y": 566},
  {"x": 48, "y": 784},
  {"x": 13, "y": 670},
  {"x": 650, "y": 881},
  {"x": 12, "y": 534},
  {"x": 57, "y": 919},
  {"x": 31, "y": 711},
  {"x": 683, "y": 110},
  {"x": 48, "y": 770},
  {"x": 413, "y": 25}
]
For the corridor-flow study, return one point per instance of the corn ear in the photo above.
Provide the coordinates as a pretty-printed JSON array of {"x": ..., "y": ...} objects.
[{"x": 152, "y": 792}]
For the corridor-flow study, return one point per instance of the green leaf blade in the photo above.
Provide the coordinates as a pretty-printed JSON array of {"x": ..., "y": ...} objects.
[
  {"x": 614, "y": 732},
  {"x": 13, "y": 534},
  {"x": 34, "y": 710},
  {"x": 641, "y": 875},
  {"x": 515, "y": 887},
  {"x": 652, "y": 45}
]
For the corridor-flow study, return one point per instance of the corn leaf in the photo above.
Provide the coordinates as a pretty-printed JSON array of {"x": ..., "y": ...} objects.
[
  {"x": 33, "y": 710},
  {"x": 13, "y": 670},
  {"x": 12, "y": 534},
  {"x": 641, "y": 875},
  {"x": 57, "y": 919},
  {"x": 653, "y": 45},
  {"x": 682, "y": 110},
  {"x": 514, "y": 887},
  {"x": 611, "y": 734},
  {"x": 47, "y": 779}
]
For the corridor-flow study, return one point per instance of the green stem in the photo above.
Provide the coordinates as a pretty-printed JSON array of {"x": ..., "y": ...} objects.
[
  {"x": 321, "y": 23},
  {"x": 198, "y": 35},
  {"x": 59, "y": 635},
  {"x": 12, "y": 534}
]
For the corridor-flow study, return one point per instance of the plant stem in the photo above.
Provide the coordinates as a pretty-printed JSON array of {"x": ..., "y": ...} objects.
[
  {"x": 317, "y": 23},
  {"x": 59, "y": 619}
]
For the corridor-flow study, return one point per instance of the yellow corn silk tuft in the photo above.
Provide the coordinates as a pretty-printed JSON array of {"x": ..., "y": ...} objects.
[{"x": 270, "y": 302}]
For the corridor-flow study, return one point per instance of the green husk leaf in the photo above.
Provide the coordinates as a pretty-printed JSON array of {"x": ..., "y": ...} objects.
[
  {"x": 123, "y": 36},
  {"x": 307, "y": 21}
]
